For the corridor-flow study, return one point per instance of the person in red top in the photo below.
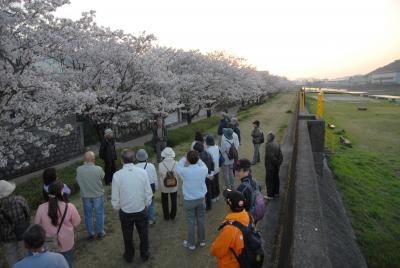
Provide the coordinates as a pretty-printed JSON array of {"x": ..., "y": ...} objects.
[{"x": 231, "y": 238}]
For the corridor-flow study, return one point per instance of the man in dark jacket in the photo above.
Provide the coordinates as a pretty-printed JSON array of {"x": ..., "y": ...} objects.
[
  {"x": 273, "y": 161},
  {"x": 108, "y": 154},
  {"x": 13, "y": 210},
  {"x": 247, "y": 183},
  {"x": 159, "y": 138},
  {"x": 224, "y": 121},
  {"x": 258, "y": 138}
]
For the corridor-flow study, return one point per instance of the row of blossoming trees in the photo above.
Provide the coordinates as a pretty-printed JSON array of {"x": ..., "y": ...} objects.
[{"x": 52, "y": 68}]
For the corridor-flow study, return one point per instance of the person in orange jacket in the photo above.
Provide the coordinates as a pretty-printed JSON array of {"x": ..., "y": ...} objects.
[{"x": 231, "y": 238}]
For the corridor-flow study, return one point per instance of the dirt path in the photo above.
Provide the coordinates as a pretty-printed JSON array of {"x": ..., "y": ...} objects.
[{"x": 166, "y": 237}]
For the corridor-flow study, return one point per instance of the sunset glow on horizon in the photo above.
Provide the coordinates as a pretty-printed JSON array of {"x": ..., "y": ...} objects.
[{"x": 296, "y": 39}]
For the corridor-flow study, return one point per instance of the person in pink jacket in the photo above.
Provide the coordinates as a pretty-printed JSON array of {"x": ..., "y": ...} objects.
[{"x": 50, "y": 214}]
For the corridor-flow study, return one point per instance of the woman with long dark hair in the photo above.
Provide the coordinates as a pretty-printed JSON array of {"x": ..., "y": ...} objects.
[
  {"x": 49, "y": 176},
  {"x": 59, "y": 218},
  {"x": 198, "y": 138}
]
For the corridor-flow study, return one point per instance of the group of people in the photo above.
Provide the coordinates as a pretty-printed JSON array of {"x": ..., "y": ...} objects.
[{"x": 50, "y": 240}]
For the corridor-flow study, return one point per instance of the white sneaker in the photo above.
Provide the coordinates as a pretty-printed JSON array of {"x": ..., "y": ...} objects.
[
  {"x": 187, "y": 245},
  {"x": 202, "y": 244}
]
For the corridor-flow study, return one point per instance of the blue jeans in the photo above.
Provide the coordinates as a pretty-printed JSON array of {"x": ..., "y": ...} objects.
[
  {"x": 96, "y": 203},
  {"x": 68, "y": 255},
  {"x": 151, "y": 210},
  {"x": 195, "y": 215},
  {"x": 256, "y": 155}
]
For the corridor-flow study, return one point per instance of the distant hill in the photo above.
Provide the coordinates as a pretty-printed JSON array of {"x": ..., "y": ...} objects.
[{"x": 393, "y": 67}]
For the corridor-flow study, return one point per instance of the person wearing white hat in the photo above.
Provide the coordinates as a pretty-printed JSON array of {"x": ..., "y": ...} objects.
[
  {"x": 108, "y": 154},
  {"x": 14, "y": 211},
  {"x": 168, "y": 166},
  {"x": 142, "y": 157}
]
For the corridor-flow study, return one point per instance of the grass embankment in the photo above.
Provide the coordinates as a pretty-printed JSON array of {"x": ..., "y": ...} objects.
[
  {"x": 166, "y": 237},
  {"x": 368, "y": 174}
]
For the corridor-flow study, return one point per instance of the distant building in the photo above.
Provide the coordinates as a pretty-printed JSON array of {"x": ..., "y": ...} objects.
[
  {"x": 386, "y": 75},
  {"x": 358, "y": 80}
]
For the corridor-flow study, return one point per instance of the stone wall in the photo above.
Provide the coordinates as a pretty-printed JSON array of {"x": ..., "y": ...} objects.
[{"x": 66, "y": 148}]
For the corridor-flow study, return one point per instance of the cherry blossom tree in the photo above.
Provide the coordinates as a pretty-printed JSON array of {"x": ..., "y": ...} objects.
[
  {"x": 53, "y": 68},
  {"x": 33, "y": 98},
  {"x": 109, "y": 66}
]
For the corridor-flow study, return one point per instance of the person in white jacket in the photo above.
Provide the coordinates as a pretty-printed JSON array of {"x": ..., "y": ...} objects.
[
  {"x": 131, "y": 195},
  {"x": 228, "y": 138},
  {"x": 168, "y": 164},
  {"x": 213, "y": 150}
]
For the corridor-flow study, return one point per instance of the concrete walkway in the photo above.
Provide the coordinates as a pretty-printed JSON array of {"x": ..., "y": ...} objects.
[{"x": 140, "y": 141}]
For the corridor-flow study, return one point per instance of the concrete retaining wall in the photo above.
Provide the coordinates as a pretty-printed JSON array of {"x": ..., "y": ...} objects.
[{"x": 322, "y": 233}]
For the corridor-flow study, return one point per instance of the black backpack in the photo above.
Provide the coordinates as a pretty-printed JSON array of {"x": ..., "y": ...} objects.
[
  {"x": 207, "y": 159},
  {"x": 232, "y": 153},
  {"x": 252, "y": 255}
]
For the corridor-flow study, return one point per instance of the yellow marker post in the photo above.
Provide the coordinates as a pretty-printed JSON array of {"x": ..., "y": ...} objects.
[
  {"x": 320, "y": 106},
  {"x": 302, "y": 99}
]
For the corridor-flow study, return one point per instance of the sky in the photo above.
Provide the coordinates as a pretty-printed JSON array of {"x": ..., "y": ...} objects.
[{"x": 292, "y": 38}]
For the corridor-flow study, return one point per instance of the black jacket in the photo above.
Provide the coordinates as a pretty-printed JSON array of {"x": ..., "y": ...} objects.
[
  {"x": 273, "y": 155},
  {"x": 107, "y": 151},
  {"x": 222, "y": 124}
]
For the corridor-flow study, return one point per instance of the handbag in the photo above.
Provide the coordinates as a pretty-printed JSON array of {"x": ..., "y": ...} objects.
[{"x": 52, "y": 243}]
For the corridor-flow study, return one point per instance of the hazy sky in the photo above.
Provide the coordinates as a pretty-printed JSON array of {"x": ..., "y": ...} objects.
[{"x": 295, "y": 38}]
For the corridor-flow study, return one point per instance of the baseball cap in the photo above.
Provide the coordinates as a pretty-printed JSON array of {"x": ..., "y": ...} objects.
[{"x": 234, "y": 199}]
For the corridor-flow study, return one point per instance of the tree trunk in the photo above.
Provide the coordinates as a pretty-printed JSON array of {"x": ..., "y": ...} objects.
[
  {"x": 208, "y": 113},
  {"x": 188, "y": 118},
  {"x": 100, "y": 131}
]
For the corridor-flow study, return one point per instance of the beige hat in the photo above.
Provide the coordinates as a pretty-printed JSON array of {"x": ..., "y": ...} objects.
[
  {"x": 108, "y": 131},
  {"x": 6, "y": 188},
  {"x": 168, "y": 152}
]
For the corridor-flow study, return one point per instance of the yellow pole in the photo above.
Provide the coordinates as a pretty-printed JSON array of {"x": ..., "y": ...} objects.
[
  {"x": 320, "y": 106},
  {"x": 302, "y": 100}
]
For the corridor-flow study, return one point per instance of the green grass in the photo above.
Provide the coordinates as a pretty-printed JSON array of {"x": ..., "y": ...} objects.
[{"x": 368, "y": 174}]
